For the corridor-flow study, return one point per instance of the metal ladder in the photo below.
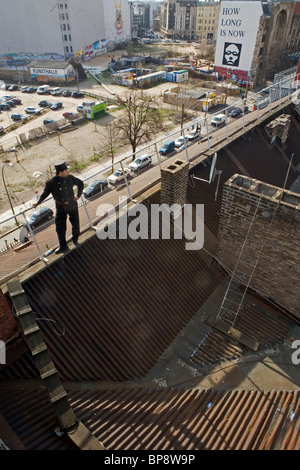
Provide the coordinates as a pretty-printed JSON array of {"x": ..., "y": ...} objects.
[{"x": 234, "y": 297}]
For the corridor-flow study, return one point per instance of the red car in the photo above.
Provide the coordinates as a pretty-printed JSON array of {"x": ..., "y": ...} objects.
[{"x": 69, "y": 114}]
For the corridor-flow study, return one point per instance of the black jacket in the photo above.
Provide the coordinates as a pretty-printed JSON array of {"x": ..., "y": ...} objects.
[{"x": 62, "y": 191}]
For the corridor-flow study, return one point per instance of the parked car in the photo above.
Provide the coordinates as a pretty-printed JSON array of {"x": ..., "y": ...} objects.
[
  {"x": 56, "y": 106},
  {"x": 69, "y": 114},
  {"x": 13, "y": 87},
  {"x": 179, "y": 142},
  {"x": 193, "y": 135},
  {"x": 32, "y": 110},
  {"x": 66, "y": 93},
  {"x": 24, "y": 89},
  {"x": 1, "y": 129},
  {"x": 56, "y": 91},
  {"x": 45, "y": 104},
  {"x": 43, "y": 90},
  {"x": 118, "y": 176},
  {"x": 4, "y": 107},
  {"x": 39, "y": 217},
  {"x": 95, "y": 187},
  {"x": 140, "y": 162},
  {"x": 11, "y": 103},
  {"x": 31, "y": 89},
  {"x": 48, "y": 121},
  {"x": 18, "y": 117},
  {"x": 80, "y": 108},
  {"x": 16, "y": 101},
  {"x": 167, "y": 147},
  {"x": 77, "y": 94},
  {"x": 236, "y": 112},
  {"x": 218, "y": 120}
]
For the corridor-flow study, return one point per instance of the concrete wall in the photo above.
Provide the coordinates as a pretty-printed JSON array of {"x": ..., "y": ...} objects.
[
  {"x": 29, "y": 26},
  {"x": 274, "y": 239},
  {"x": 39, "y": 26}
]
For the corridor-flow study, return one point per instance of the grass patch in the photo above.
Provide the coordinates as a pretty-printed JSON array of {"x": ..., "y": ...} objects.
[{"x": 95, "y": 158}]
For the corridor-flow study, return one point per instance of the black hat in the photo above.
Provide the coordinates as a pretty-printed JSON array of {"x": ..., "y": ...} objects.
[{"x": 60, "y": 167}]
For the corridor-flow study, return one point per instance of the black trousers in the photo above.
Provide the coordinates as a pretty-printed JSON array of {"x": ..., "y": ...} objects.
[{"x": 61, "y": 224}]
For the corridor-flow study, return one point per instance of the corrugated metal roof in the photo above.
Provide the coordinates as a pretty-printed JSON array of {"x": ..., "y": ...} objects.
[
  {"x": 139, "y": 419},
  {"x": 120, "y": 302}
]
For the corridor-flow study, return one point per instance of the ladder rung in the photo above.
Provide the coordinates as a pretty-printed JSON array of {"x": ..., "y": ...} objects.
[
  {"x": 48, "y": 373},
  {"x": 39, "y": 349},
  {"x": 58, "y": 397}
]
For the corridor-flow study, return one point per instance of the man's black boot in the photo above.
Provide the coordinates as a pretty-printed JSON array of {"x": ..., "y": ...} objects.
[{"x": 61, "y": 249}]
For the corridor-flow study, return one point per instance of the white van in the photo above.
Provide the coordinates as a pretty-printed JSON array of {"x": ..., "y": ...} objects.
[
  {"x": 56, "y": 91},
  {"x": 218, "y": 120},
  {"x": 43, "y": 90}
]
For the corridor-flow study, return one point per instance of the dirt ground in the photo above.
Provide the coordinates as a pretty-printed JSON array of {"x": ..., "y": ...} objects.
[{"x": 79, "y": 145}]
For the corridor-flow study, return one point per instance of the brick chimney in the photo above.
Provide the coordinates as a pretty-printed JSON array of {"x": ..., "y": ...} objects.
[
  {"x": 174, "y": 181},
  {"x": 261, "y": 223},
  {"x": 279, "y": 128}
]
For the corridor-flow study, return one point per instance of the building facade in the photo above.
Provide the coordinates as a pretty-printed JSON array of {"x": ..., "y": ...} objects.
[
  {"x": 36, "y": 29},
  {"x": 189, "y": 19},
  {"x": 142, "y": 16},
  {"x": 255, "y": 39},
  {"x": 207, "y": 21}
]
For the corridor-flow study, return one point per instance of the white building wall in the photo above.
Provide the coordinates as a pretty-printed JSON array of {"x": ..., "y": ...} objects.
[
  {"x": 29, "y": 26},
  {"x": 117, "y": 21},
  {"x": 35, "y": 26},
  {"x": 87, "y": 22}
]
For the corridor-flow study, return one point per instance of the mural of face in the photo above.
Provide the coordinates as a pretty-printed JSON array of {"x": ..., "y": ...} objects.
[{"x": 232, "y": 54}]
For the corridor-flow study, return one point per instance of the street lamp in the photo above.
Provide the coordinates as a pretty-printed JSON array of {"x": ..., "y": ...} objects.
[{"x": 6, "y": 190}]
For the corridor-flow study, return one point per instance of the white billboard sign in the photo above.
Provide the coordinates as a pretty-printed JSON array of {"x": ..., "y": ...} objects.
[{"x": 236, "y": 36}]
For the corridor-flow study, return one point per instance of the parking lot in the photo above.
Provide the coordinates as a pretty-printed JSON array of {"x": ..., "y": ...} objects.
[{"x": 69, "y": 104}]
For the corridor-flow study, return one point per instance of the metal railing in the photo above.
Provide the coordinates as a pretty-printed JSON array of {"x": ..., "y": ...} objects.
[{"x": 281, "y": 90}]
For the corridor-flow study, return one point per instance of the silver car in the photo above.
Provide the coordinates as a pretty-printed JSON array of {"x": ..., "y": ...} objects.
[{"x": 140, "y": 162}]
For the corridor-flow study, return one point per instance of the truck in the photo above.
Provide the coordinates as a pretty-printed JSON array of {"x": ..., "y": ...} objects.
[{"x": 43, "y": 90}]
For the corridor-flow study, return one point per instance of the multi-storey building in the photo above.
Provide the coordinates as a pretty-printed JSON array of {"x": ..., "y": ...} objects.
[
  {"x": 189, "y": 19},
  {"x": 42, "y": 29},
  {"x": 142, "y": 14},
  {"x": 207, "y": 20}
]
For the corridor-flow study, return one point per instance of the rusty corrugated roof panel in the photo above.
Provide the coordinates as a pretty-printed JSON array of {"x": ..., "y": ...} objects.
[{"x": 139, "y": 419}]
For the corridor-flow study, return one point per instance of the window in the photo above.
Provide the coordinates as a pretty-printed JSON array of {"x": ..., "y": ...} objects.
[
  {"x": 64, "y": 27},
  {"x": 61, "y": 6},
  {"x": 71, "y": 49},
  {"x": 67, "y": 49},
  {"x": 67, "y": 16},
  {"x": 66, "y": 6},
  {"x": 69, "y": 27},
  {"x": 70, "y": 39},
  {"x": 62, "y": 16},
  {"x": 66, "y": 37}
]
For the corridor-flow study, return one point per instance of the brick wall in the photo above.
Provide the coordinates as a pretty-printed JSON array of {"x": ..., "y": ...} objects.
[
  {"x": 273, "y": 241},
  {"x": 174, "y": 181},
  {"x": 8, "y": 325}
]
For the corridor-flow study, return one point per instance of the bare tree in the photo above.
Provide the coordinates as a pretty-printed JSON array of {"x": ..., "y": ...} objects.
[
  {"x": 140, "y": 118},
  {"x": 110, "y": 141}
]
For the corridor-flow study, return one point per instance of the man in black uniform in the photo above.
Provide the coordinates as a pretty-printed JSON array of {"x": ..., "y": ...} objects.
[{"x": 61, "y": 188}]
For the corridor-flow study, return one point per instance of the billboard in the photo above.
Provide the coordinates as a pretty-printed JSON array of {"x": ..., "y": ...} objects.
[{"x": 236, "y": 37}]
